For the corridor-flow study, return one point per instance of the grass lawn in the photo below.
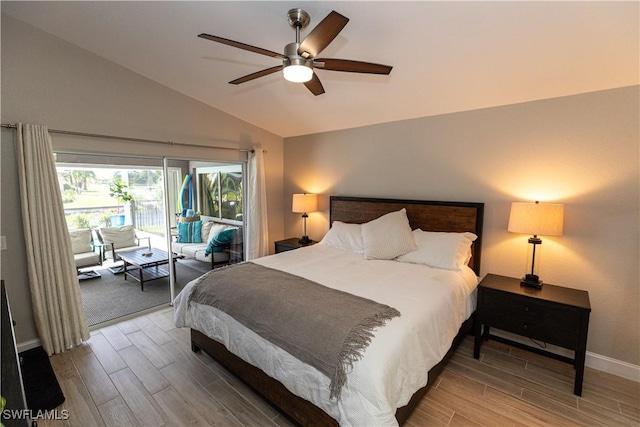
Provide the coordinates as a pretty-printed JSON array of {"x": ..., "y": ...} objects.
[{"x": 96, "y": 196}]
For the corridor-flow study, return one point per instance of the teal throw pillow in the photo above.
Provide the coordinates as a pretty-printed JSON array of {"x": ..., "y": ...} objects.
[
  {"x": 220, "y": 240},
  {"x": 189, "y": 232}
]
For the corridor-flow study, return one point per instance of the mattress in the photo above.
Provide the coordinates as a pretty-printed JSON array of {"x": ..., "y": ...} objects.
[{"x": 433, "y": 304}]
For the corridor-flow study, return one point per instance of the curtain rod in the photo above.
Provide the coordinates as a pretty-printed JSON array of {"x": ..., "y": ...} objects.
[{"x": 124, "y": 138}]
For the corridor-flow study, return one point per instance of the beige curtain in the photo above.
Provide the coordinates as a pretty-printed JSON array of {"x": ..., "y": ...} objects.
[
  {"x": 55, "y": 292},
  {"x": 257, "y": 224}
]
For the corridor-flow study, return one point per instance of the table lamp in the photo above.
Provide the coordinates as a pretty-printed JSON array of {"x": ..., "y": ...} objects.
[
  {"x": 304, "y": 203},
  {"x": 539, "y": 219}
]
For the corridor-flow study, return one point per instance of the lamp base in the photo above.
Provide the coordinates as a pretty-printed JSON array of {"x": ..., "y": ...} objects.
[
  {"x": 304, "y": 240},
  {"x": 531, "y": 281}
]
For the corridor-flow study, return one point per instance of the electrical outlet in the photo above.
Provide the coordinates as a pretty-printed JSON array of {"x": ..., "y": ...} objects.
[{"x": 3, "y": 243}]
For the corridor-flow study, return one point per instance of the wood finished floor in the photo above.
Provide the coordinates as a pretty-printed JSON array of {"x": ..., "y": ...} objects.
[{"x": 141, "y": 372}]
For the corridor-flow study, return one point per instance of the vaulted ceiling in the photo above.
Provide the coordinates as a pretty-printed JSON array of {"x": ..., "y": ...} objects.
[{"x": 446, "y": 56}]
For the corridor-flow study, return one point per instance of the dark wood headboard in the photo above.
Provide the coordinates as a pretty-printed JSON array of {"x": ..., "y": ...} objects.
[{"x": 426, "y": 215}]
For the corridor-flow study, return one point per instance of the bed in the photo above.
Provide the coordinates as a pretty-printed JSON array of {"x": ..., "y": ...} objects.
[{"x": 299, "y": 390}]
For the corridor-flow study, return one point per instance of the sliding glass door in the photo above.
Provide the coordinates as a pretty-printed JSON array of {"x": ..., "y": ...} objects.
[
  {"x": 216, "y": 195},
  {"x": 109, "y": 195},
  {"x": 120, "y": 201}
]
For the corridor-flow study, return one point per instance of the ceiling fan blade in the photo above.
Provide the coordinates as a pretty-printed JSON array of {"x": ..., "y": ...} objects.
[
  {"x": 314, "y": 85},
  {"x": 242, "y": 46},
  {"x": 256, "y": 75},
  {"x": 322, "y": 35},
  {"x": 351, "y": 66}
]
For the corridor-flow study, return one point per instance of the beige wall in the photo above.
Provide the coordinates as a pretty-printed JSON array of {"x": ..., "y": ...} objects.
[
  {"x": 579, "y": 150},
  {"x": 48, "y": 81}
]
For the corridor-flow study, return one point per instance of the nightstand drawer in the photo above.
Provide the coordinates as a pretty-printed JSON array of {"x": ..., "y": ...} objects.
[
  {"x": 291, "y": 244},
  {"x": 531, "y": 310},
  {"x": 537, "y": 329}
]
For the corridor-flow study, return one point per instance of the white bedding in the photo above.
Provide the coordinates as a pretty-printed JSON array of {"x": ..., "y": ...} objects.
[{"x": 433, "y": 304}]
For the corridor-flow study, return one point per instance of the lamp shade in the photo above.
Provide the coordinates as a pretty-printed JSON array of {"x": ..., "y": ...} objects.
[
  {"x": 303, "y": 203},
  {"x": 540, "y": 219}
]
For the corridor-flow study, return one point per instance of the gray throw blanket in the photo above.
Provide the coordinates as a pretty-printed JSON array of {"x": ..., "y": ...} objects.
[{"x": 323, "y": 327}]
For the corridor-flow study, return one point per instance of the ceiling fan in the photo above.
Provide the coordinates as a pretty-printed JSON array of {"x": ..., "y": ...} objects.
[{"x": 300, "y": 58}]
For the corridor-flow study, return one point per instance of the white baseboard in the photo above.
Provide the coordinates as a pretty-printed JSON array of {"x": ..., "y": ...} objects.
[
  {"x": 613, "y": 366},
  {"x": 28, "y": 345},
  {"x": 592, "y": 360}
]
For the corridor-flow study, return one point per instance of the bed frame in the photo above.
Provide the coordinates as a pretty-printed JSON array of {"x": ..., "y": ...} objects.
[{"x": 426, "y": 215}]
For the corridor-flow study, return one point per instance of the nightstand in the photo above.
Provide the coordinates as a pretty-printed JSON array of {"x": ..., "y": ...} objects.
[
  {"x": 291, "y": 244},
  {"x": 553, "y": 314}
]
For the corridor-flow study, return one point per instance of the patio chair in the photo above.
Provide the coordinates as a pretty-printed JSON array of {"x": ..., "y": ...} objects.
[
  {"x": 117, "y": 240},
  {"x": 86, "y": 253}
]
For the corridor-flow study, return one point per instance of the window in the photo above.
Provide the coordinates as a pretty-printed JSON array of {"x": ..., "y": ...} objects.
[
  {"x": 96, "y": 195},
  {"x": 220, "y": 192}
]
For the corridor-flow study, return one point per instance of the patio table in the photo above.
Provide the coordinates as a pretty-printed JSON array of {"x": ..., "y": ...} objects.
[{"x": 144, "y": 265}]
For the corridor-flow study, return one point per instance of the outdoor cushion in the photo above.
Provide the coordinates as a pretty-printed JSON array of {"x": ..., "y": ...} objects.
[
  {"x": 205, "y": 230},
  {"x": 87, "y": 259},
  {"x": 197, "y": 251},
  {"x": 81, "y": 240},
  {"x": 84, "y": 254},
  {"x": 121, "y": 237}
]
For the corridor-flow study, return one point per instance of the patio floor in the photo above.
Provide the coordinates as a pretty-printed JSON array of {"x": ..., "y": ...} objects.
[{"x": 110, "y": 296}]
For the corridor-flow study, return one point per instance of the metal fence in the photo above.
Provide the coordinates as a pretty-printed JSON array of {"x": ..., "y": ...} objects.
[
  {"x": 148, "y": 215},
  {"x": 145, "y": 215}
]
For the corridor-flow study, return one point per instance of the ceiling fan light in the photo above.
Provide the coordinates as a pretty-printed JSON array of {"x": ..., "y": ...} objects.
[{"x": 297, "y": 73}]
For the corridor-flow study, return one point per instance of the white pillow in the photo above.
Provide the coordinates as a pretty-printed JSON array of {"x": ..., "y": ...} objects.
[
  {"x": 388, "y": 237},
  {"x": 449, "y": 251},
  {"x": 215, "y": 229},
  {"x": 344, "y": 236},
  {"x": 205, "y": 230}
]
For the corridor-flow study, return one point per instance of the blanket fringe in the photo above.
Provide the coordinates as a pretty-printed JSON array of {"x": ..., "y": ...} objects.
[{"x": 354, "y": 344}]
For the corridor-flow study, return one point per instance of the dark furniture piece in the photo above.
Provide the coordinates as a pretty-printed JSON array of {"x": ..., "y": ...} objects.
[
  {"x": 12, "y": 387},
  {"x": 291, "y": 244},
  {"x": 147, "y": 267},
  {"x": 427, "y": 215},
  {"x": 553, "y": 314}
]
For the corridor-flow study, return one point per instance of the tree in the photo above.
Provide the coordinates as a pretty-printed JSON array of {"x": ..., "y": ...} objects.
[
  {"x": 147, "y": 177},
  {"x": 120, "y": 191},
  {"x": 79, "y": 179},
  {"x": 85, "y": 176}
]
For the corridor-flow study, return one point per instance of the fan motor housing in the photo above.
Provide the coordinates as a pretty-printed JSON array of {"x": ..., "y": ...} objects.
[{"x": 291, "y": 52}]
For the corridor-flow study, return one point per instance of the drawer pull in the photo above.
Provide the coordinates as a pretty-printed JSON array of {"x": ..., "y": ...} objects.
[
  {"x": 525, "y": 327},
  {"x": 526, "y": 308}
]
